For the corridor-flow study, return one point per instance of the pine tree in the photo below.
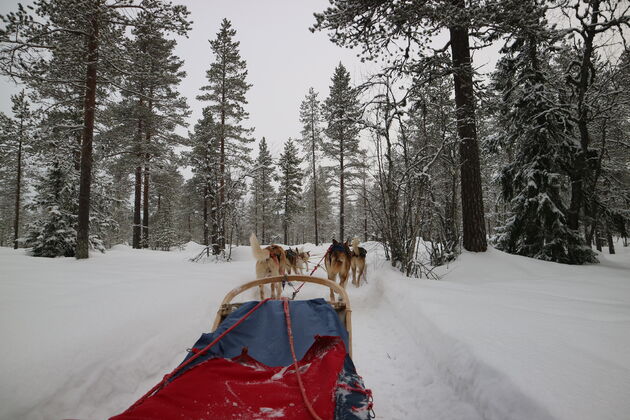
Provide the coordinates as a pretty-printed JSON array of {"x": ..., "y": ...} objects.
[
  {"x": 150, "y": 110},
  {"x": 290, "y": 186},
  {"x": 16, "y": 143},
  {"x": 341, "y": 112},
  {"x": 85, "y": 40},
  {"x": 310, "y": 117},
  {"x": 263, "y": 191},
  {"x": 7, "y": 179},
  {"x": 204, "y": 161},
  {"x": 226, "y": 91}
]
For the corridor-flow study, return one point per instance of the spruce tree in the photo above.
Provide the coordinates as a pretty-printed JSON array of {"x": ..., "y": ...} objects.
[
  {"x": 341, "y": 112},
  {"x": 167, "y": 191},
  {"x": 53, "y": 233},
  {"x": 538, "y": 127},
  {"x": 290, "y": 186},
  {"x": 310, "y": 117},
  {"x": 225, "y": 92}
]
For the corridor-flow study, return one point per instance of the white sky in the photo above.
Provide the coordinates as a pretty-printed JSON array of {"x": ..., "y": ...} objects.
[{"x": 283, "y": 58}]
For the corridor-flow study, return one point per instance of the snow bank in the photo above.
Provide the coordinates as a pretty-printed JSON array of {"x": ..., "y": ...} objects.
[{"x": 524, "y": 339}]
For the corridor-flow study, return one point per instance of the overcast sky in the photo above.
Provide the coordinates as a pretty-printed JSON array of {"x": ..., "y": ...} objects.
[{"x": 283, "y": 59}]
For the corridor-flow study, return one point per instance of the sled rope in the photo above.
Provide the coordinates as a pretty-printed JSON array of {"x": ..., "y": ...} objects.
[
  {"x": 167, "y": 377},
  {"x": 314, "y": 269},
  {"x": 287, "y": 316}
]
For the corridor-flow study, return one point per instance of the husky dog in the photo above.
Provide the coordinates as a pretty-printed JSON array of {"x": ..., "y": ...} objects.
[
  {"x": 270, "y": 261},
  {"x": 357, "y": 262},
  {"x": 337, "y": 261},
  {"x": 305, "y": 256},
  {"x": 297, "y": 260}
]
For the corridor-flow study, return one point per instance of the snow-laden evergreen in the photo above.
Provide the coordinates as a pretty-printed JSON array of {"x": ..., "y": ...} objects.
[
  {"x": 290, "y": 192},
  {"x": 538, "y": 127}
]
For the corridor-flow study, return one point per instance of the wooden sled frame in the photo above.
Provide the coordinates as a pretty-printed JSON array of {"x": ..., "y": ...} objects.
[{"x": 342, "y": 307}]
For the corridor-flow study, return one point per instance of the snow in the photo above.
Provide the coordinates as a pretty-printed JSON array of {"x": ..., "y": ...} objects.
[{"x": 498, "y": 337}]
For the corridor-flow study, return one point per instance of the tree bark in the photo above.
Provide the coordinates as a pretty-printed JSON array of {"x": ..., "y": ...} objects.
[
  {"x": 474, "y": 227},
  {"x": 342, "y": 192},
  {"x": 205, "y": 215},
  {"x": 365, "y": 211},
  {"x": 145, "y": 206},
  {"x": 137, "y": 203},
  {"x": 314, "y": 181},
  {"x": 609, "y": 239},
  {"x": 18, "y": 186},
  {"x": 89, "y": 110},
  {"x": 221, "y": 204},
  {"x": 581, "y": 171},
  {"x": 147, "y": 174}
]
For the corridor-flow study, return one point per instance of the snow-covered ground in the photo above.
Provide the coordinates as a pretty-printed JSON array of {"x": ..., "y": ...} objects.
[{"x": 498, "y": 337}]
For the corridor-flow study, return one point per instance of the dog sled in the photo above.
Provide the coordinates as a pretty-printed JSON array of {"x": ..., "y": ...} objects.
[{"x": 268, "y": 359}]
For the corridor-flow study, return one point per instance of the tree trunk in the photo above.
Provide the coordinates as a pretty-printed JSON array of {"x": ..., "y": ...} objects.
[
  {"x": 341, "y": 194},
  {"x": 263, "y": 215},
  {"x": 256, "y": 194},
  {"x": 581, "y": 171},
  {"x": 221, "y": 209},
  {"x": 214, "y": 231},
  {"x": 147, "y": 175},
  {"x": 18, "y": 187},
  {"x": 137, "y": 194},
  {"x": 474, "y": 227},
  {"x": 609, "y": 239},
  {"x": 145, "y": 207},
  {"x": 205, "y": 215},
  {"x": 137, "y": 203},
  {"x": 314, "y": 182},
  {"x": 89, "y": 109},
  {"x": 365, "y": 211}
]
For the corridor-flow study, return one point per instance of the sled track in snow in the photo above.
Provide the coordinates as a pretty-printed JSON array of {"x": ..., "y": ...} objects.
[{"x": 430, "y": 375}]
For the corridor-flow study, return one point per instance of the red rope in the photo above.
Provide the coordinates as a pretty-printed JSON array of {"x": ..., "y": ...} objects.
[
  {"x": 315, "y": 268},
  {"x": 164, "y": 380},
  {"x": 320, "y": 261},
  {"x": 287, "y": 316}
]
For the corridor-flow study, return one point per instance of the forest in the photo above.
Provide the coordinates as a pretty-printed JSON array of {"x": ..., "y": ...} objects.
[{"x": 425, "y": 155}]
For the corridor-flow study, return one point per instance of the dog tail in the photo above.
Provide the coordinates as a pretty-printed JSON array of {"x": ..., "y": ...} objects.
[
  {"x": 259, "y": 253},
  {"x": 355, "y": 246}
]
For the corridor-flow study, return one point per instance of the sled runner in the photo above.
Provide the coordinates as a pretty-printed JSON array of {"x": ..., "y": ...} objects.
[{"x": 265, "y": 360}]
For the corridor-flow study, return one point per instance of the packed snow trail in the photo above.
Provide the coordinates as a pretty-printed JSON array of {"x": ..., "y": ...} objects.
[
  {"x": 499, "y": 337},
  {"x": 392, "y": 362}
]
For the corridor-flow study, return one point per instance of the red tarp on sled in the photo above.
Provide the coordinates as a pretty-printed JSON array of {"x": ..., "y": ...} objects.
[{"x": 242, "y": 388}]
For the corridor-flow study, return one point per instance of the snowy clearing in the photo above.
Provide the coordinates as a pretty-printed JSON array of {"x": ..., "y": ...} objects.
[{"x": 499, "y": 337}]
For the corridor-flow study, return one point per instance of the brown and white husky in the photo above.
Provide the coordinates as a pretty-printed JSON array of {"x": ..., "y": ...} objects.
[
  {"x": 270, "y": 261},
  {"x": 337, "y": 261},
  {"x": 357, "y": 262},
  {"x": 297, "y": 260}
]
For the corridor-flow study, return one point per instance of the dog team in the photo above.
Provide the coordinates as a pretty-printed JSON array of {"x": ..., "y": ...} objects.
[{"x": 273, "y": 260}]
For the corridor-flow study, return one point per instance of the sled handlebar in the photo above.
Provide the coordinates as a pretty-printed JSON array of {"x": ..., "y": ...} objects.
[{"x": 342, "y": 307}]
